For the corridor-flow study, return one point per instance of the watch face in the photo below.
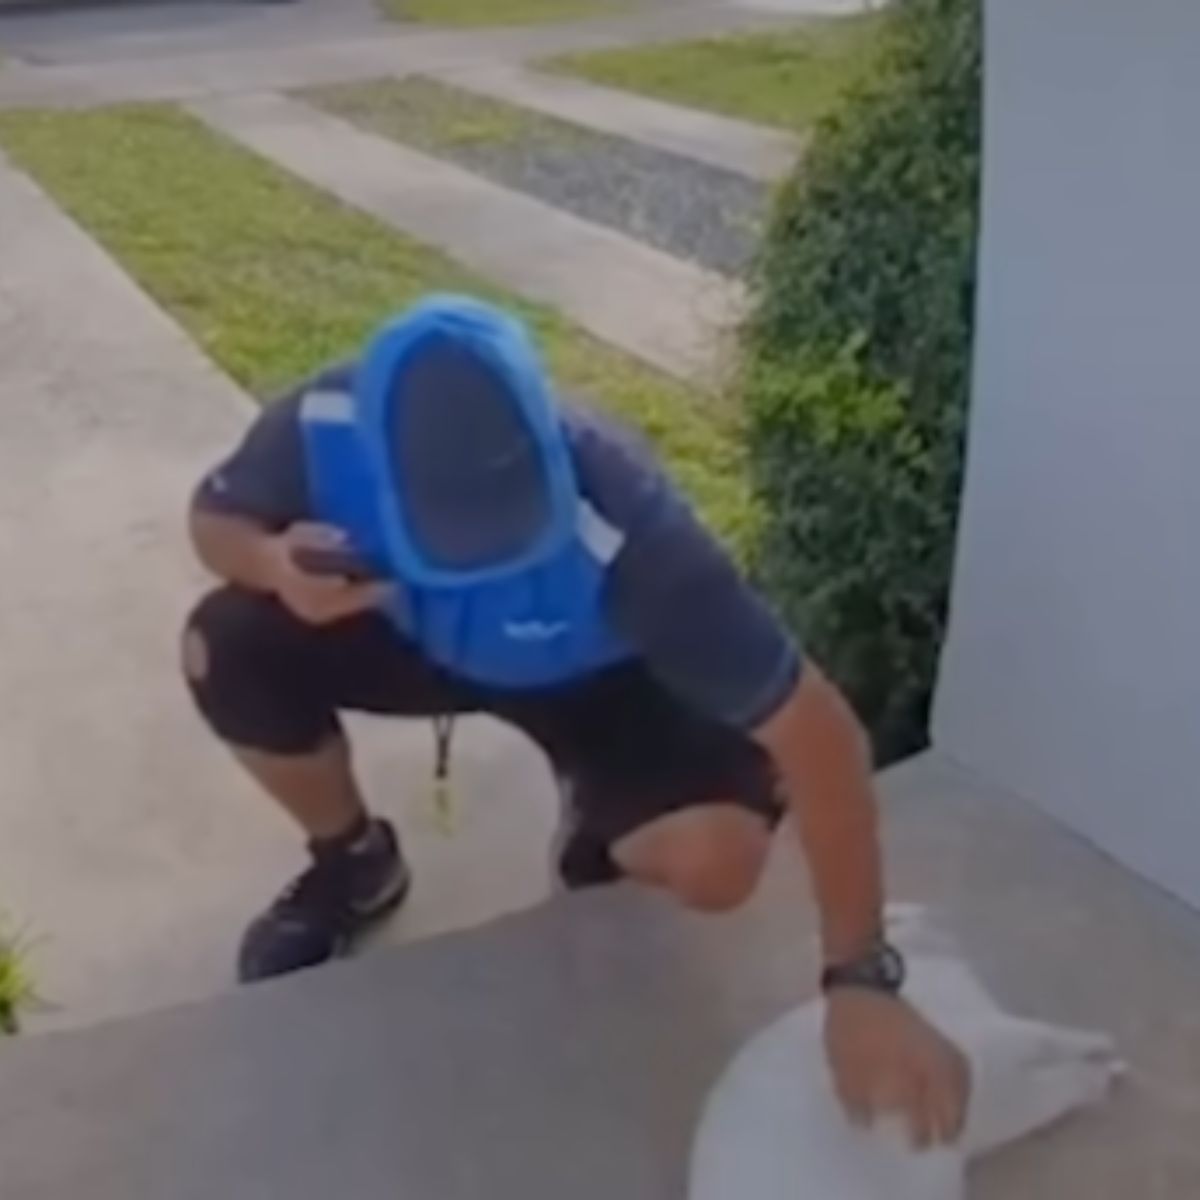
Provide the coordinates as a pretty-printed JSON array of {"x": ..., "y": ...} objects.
[{"x": 891, "y": 968}]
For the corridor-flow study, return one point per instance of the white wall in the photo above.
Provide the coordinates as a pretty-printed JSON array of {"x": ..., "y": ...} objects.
[{"x": 1072, "y": 672}]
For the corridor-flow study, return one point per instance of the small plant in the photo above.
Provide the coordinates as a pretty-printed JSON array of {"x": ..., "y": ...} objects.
[{"x": 17, "y": 993}]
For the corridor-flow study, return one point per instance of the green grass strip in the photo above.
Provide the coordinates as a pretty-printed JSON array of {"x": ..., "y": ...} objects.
[
  {"x": 274, "y": 277},
  {"x": 789, "y": 79},
  {"x": 436, "y": 116},
  {"x": 466, "y": 13}
]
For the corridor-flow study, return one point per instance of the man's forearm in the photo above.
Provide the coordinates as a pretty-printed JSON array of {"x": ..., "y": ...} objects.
[
  {"x": 821, "y": 752},
  {"x": 838, "y": 827}
]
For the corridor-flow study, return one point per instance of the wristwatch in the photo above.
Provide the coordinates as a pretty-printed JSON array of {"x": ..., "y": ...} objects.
[{"x": 881, "y": 969}]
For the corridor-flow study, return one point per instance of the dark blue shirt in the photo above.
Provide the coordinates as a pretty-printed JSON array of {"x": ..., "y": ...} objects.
[{"x": 674, "y": 594}]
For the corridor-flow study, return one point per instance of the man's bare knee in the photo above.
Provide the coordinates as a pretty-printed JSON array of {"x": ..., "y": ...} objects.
[
  {"x": 716, "y": 886},
  {"x": 709, "y": 859}
]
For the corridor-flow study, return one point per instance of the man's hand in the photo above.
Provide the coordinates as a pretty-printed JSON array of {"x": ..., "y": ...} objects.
[
  {"x": 315, "y": 599},
  {"x": 886, "y": 1058}
]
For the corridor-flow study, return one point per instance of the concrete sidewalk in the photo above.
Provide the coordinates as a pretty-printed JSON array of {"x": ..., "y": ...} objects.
[
  {"x": 128, "y": 845},
  {"x": 565, "y": 1052},
  {"x": 74, "y": 33},
  {"x": 225, "y": 64}
]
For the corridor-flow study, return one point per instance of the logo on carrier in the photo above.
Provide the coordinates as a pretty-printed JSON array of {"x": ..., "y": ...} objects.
[{"x": 535, "y": 631}]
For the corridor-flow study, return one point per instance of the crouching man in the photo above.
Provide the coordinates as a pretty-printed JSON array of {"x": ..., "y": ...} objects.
[{"x": 432, "y": 531}]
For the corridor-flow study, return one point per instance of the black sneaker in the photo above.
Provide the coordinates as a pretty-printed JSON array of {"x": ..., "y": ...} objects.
[
  {"x": 323, "y": 911},
  {"x": 579, "y": 857}
]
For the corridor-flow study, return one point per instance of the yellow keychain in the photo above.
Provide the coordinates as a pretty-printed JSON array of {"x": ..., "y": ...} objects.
[{"x": 444, "y": 815}]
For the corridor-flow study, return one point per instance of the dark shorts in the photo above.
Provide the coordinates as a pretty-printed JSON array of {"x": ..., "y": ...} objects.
[{"x": 629, "y": 749}]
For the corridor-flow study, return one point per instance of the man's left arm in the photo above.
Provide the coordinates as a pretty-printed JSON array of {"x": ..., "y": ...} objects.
[
  {"x": 883, "y": 1056},
  {"x": 712, "y": 640},
  {"x": 821, "y": 754}
]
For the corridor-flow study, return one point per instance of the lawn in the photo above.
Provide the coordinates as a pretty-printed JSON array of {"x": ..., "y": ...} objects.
[
  {"x": 496, "y": 12},
  {"x": 787, "y": 79},
  {"x": 273, "y": 277}
]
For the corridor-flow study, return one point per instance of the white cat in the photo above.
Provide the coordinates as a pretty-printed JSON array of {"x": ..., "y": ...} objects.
[{"x": 773, "y": 1130}]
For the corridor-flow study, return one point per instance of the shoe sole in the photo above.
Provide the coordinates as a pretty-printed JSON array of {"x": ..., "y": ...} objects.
[{"x": 372, "y": 921}]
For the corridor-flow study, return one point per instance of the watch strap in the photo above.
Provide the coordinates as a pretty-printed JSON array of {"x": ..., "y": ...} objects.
[{"x": 881, "y": 969}]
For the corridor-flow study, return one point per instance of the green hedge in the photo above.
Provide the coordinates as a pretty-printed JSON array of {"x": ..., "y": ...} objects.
[{"x": 856, "y": 365}]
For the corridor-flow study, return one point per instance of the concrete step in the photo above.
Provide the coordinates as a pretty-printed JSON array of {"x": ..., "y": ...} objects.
[
  {"x": 566, "y": 1051},
  {"x": 738, "y": 146},
  {"x": 562, "y": 1052},
  {"x": 671, "y": 314},
  {"x": 130, "y": 849}
]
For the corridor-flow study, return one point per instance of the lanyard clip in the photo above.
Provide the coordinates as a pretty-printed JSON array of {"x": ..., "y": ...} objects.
[{"x": 444, "y": 814}]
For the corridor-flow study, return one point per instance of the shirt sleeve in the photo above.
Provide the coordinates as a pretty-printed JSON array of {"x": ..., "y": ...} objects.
[
  {"x": 679, "y": 599},
  {"x": 699, "y": 625},
  {"x": 264, "y": 479}
]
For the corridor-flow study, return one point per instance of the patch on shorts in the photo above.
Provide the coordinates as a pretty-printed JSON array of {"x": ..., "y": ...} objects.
[{"x": 195, "y": 656}]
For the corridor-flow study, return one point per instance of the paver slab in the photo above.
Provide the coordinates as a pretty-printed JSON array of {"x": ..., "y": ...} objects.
[
  {"x": 733, "y": 145},
  {"x": 672, "y": 314}
]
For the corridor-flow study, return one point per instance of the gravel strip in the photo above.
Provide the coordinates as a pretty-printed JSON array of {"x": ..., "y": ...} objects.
[{"x": 686, "y": 208}]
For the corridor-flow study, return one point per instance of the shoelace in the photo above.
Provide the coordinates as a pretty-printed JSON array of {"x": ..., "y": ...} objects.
[{"x": 323, "y": 885}]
